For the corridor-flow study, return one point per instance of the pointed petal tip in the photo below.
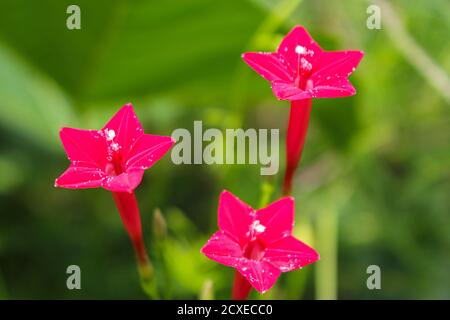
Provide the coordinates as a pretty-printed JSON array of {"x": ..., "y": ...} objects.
[
  {"x": 298, "y": 27},
  {"x": 202, "y": 250},
  {"x": 246, "y": 56},
  {"x": 126, "y": 107},
  {"x": 285, "y": 200},
  {"x": 356, "y": 52},
  {"x": 288, "y": 198},
  {"x": 63, "y": 130},
  {"x": 316, "y": 255},
  {"x": 225, "y": 193},
  {"x": 360, "y": 54}
]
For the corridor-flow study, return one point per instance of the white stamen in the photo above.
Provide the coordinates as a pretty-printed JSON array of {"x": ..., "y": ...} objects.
[
  {"x": 300, "y": 50},
  {"x": 257, "y": 227},
  {"x": 306, "y": 65},
  {"x": 110, "y": 134},
  {"x": 115, "y": 146}
]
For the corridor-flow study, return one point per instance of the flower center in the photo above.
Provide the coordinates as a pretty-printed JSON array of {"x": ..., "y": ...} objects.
[
  {"x": 115, "y": 166},
  {"x": 254, "y": 250},
  {"x": 304, "y": 67},
  {"x": 302, "y": 82}
]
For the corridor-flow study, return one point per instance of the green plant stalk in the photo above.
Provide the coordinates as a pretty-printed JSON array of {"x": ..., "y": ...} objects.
[
  {"x": 147, "y": 279},
  {"x": 207, "y": 292},
  {"x": 164, "y": 281},
  {"x": 327, "y": 245},
  {"x": 160, "y": 238}
]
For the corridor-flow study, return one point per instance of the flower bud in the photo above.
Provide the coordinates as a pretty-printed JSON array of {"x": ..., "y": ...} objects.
[{"x": 159, "y": 225}]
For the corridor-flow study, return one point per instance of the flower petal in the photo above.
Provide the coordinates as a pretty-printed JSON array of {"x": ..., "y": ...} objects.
[
  {"x": 80, "y": 178},
  {"x": 277, "y": 219},
  {"x": 290, "y": 254},
  {"x": 332, "y": 63},
  {"x": 297, "y": 44},
  {"x": 337, "y": 90},
  {"x": 147, "y": 150},
  {"x": 125, "y": 182},
  {"x": 85, "y": 148},
  {"x": 287, "y": 91},
  {"x": 269, "y": 66},
  {"x": 261, "y": 274},
  {"x": 223, "y": 249},
  {"x": 329, "y": 77},
  {"x": 235, "y": 217},
  {"x": 127, "y": 128}
]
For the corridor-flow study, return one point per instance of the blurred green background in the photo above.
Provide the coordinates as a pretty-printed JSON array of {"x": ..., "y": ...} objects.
[{"x": 373, "y": 186}]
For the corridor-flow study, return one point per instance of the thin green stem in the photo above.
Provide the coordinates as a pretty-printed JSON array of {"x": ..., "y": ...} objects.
[
  {"x": 147, "y": 279},
  {"x": 327, "y": 245}
]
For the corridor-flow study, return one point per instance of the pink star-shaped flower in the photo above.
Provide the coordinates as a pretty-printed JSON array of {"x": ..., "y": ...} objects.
[
  {"x": 300, "y": 69},
  {"x": 258, "y": 243},
  {"x": 114, "y": 157}
]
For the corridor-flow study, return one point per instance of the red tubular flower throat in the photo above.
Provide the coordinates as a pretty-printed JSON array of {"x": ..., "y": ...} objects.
[
  {"x": 296, "y": 135},
  {"x": 129, "y": 212},
  {"x": 241, "y": 287},
  {"x": 127, "y": 206}
]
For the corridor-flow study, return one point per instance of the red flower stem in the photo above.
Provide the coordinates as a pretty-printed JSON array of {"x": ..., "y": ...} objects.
[
  {"x": 296, "y": 134},
  {"x": 129, "y": 212},
  {"x": 241, "y": 287}
]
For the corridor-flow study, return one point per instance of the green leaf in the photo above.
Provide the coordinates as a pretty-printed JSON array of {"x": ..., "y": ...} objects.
[{"x": 30, "y": 103}]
